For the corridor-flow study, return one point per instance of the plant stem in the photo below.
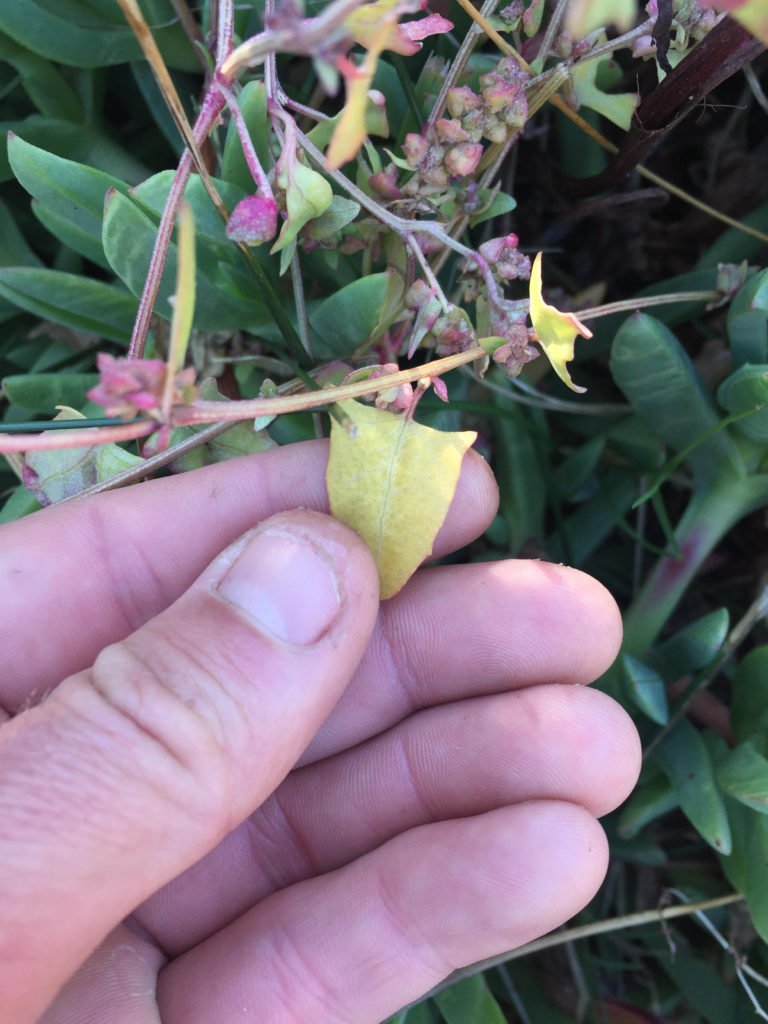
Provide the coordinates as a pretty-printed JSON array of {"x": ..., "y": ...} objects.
[
  {"x": 76, "y": 438},
  {"x": 209, "y": 112},
  {"x": 709, "y": 516},
  {"x": 586, "y": 931}
]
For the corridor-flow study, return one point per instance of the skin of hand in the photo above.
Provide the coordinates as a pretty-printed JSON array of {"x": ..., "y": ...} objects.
[{"x": 261, "y": 795}]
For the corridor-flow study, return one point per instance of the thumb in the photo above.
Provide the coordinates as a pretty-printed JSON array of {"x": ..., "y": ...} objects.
[{"x": 131, "y": 771}]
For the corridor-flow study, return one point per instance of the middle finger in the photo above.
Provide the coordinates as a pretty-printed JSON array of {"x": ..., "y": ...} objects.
[{"x": 458, "y": 760}]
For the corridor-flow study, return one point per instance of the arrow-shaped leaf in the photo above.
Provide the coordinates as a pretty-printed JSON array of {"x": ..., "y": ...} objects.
[{"x": 392, "y": 481}]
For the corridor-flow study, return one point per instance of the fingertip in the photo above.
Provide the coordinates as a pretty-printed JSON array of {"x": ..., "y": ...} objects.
[{"x": 473, "y": 507}]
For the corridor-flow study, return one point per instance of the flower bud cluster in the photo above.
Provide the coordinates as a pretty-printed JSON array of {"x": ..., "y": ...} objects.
[
  {"x": 501, "y": 105},
  {"x": 517, "y": 349},
  {"x": 439, "y": 155},
  {"x": 504, "y": 258},
  {"x": 689, "y": 26},
  {"x": 446, "y": 328}
]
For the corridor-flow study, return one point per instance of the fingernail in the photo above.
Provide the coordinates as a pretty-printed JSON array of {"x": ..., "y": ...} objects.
[{"x": 287, "y": 584}]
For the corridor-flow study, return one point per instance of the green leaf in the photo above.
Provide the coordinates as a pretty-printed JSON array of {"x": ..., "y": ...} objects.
[
  {"x": 73, "y": 237},
  {"x": 79, "y": 302},
  {"x": 647, "y": 803},
  {"x": 42, "y": 392},
  {"x": 578, "y": 467},
  {"x": 77, "y": 141},
  {"x": 307, "y": 195},
  {"x": 749, "y": 695},
  {"x": 209, "y": 225},
  {"x": 646, "y": 689},
  {"x": 617, "y": 107},
  {"x": 745, "y": 394},
  {"x": 501, "y": 203},
  {"x": 128, "y": 237},
  {"x": 344, "y": 321},
  {"x": 734, "y": 245},
  {"x": 71, "y": 32},
  {"x": 14, "y": 251},
  {"x": 58, "y": 474},
  {"x": 745, "y": 869},
  {"x": 20, "y": 503},
  {"x": 744, "y": 775},
  {"x": 469, "y": 1002},
  {"x": 746, "y": 322},
  {"x": 234, "y": 169},
  {"x": 520, "y": 466},
  {"x": 69, "y": 193},
  {"x": 43, "y": 83},
  {"x": 657, "y": 377},
  {"x": 584, "y": 16},
  {"x": 392, "y": 480},
  {"x": 686, "y": 761},
  {"x": 704, "y": 990},
  {"x": 693, "y": 647}
]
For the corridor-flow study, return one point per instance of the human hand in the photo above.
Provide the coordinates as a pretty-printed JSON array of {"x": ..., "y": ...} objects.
[{"x": 154, "y": 827}]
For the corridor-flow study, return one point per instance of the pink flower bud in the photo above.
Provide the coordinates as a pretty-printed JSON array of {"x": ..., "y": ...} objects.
[
  {"x": 253, "y": 220},
  {"x": 418, "y": 294},
  {"x": 415, "y": 148},
  {"x": 644, "y": 46},
  {"x": 450, "y": 131},
  {"x": 494, "y": 130},
  {"x": 461, "y": 100},
  {"x": 384, "y": 183},
  {"x": 463, "y": 158}
]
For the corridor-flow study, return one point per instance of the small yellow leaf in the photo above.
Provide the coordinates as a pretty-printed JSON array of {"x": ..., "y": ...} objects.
[
  {"x": 753, "y": 14},
  {"x": 392, "y": 481},
  {"x": 584, "y": 16},
  {"x": 617, "y": 107},
  {"x": 555, "y": 331}
]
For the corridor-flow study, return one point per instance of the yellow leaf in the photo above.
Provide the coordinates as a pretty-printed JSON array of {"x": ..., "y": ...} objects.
[
  {"x": 617, "y": 107},
  {"x": 392, "y": 481},
  {"x": 753, "y": 14},
  {"x": 584, "y": 16},
  {"x": 555, "y": 331}
]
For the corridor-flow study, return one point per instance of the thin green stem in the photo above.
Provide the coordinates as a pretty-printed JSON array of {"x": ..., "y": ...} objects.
[{"x": 585, "y": 931}]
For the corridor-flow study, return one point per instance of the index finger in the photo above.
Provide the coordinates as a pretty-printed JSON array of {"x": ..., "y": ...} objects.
[{"x": 86, "y": 574}]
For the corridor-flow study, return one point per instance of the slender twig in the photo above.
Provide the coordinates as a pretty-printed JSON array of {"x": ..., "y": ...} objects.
[
  {"x": 740, "y": 964},
  {"x": 154, "y": 462},
  {"x": 299, "y": 301},
  {"x": 553, "y": 25},
  {"x": 586, "y": 931}
]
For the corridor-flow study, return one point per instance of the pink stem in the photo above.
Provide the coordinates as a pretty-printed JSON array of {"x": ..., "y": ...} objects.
[
  {"x": 251, "y": 157},
  {"x": 213, "y": 102},
  {"x": 86, "y": 438}
]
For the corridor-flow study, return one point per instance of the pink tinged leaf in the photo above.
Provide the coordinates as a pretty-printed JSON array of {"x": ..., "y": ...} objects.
[
  {"x": 440, "y": 389},
  {"x": 463, "y": 158},
  {"x": 253, "y": 220},
  {"x": 431, "y": 25},
  {"x": 555, "y": 331},
  {"x": 350, "y": 132}
]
